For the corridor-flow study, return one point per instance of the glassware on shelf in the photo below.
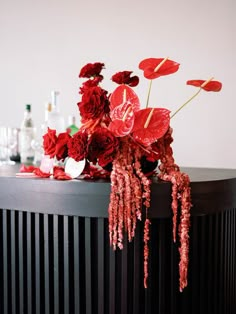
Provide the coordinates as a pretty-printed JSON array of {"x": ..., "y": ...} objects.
[{"x": 8, "y": 142}]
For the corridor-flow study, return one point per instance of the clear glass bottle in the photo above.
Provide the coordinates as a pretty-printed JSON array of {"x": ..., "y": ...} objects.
[
  {"x": 47, "y": 111},
  {"x": 27, "y": 135},
  {"x": 72, "y": 127},
  {"x": 55, "y": 119}
]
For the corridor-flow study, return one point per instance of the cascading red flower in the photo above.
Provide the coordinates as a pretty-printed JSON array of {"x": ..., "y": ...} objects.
[{"x": 125, "y": 78}]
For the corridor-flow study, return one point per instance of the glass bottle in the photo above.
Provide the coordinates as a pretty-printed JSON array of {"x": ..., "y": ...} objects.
[
  {"x": 72, "y": 127},
  {"x": 55, "y": 119},
  {"x": 27, "y": 135}
]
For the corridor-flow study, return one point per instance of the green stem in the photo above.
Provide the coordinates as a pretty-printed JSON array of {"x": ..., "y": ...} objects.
[
  {"x": 149, "y": 92},
  {"x": 181, "y": 107}
]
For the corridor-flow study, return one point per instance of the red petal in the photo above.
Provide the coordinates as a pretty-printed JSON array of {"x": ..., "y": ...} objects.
[
  {"x": 212, "y": 86},
  {"x": 59, "y": 174},
  {"x": 122, "y": 94},
  {"x": 41, "y": 174},
  {"x": 157, "y": 126},
  {"x": 149, "y": 67},
  {"x": 122, "y": 120},
  {"x": 24, "y": 168}
]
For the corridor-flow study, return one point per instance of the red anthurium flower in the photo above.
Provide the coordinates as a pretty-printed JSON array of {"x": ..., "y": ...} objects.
[
  {"x": 210, "y": 86},
  {"x": 122, "y": 120},
  {"x": 125, "y": 78},
  {"x": 123, "y": 94},
  {"x": 156, "y": 67},
  {"x": 150, "y": 124}
]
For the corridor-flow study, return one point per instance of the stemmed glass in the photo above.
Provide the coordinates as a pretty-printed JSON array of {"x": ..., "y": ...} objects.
[{"x": 8, "y": 141}]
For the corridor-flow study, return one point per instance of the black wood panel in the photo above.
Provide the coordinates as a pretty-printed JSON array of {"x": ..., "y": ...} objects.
[{"x": 61, "y": 264}]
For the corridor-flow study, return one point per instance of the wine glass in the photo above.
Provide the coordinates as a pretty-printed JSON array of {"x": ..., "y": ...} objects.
[{"x": 8, "y": 141}]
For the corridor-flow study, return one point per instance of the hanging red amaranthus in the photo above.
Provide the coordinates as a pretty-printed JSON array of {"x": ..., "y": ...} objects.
[{"x": 181, "y": 196}]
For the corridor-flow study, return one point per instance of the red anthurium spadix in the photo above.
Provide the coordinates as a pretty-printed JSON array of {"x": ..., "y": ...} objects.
[
  {"x": 156, "y": 67},
  {"x": 122, "y": 118},
  {"x": 123, "y": 94},
  {"x": 150, "y": 124},
  {"x": 209, "y": 86}
]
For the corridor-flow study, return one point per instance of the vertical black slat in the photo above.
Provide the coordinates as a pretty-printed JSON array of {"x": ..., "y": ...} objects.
[
  {"x": 13, "y": 262},
  {"x": 124, "y": 276},
  {"x": 231, "y": 274},
  {"x": 21, "y": 262},
  {"x": 174, "y": 278},
  {"x": 225, "y": 239},
  {"x": 100, "y": 288},
  {"x": 162, "y": 268},
  {"x": 112, "y": 281},
  {"x": 29, "y": 264},
  {"x": 5, "y": 261},
  {"x": 203, "y": 263},
  {"x": 209, "y": 265},
  {"x": 215, "y": 264},
  {"x": 229, "y": 257},
  {"x": 56, "y": 264},
  {"x": 37, "y": 264},
  {"x": 234, "y": 257},
  {"x": 195, "y": 264},
  {"x": 46, "y": 264},
  {"x": 88, "y": 287},
  {"x": 1, "y": 264},
  {"x": 231, "y": 262},
  {"x": 137, "y": 279},
  {"x": 221, "y": 263},
  {"x": 66, "y": 265},
  {"x": 76, "y": 265},
  {"x": 227, "y": 262}
]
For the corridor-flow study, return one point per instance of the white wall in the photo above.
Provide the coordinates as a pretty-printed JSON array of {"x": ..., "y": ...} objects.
[{"x": 43, "y": 45}]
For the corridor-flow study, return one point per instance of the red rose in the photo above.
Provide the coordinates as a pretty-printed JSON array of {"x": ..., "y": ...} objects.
[
  {"x": 61, "y": 145},
  {"x": 77, "y": 146},
  {"x": 124, "y": 78},
  {"x": 94, "y": 103},
  {"x": 49, "y": 142},
  {"x": 91, "y": 69},
  {"x": 102, "y": 146},
  {"x": 90, "y": 83}
]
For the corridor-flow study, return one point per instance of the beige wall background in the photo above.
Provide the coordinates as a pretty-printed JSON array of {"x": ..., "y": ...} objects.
[{"x": 43, "y": 45}]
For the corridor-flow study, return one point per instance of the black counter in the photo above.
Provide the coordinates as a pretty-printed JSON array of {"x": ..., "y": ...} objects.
[{"x": 55, "y": 255}]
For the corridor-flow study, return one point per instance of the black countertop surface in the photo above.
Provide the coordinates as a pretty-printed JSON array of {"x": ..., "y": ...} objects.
[{"x": 213, "y": 190}]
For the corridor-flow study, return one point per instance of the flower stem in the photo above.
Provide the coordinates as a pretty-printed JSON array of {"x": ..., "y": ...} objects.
[
  {"x": 190, "y": 99},
  {"x": 149, "y": 91}
]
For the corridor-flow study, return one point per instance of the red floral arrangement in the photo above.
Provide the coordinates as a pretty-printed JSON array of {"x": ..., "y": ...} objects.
[{"x": 118, "y": 140}]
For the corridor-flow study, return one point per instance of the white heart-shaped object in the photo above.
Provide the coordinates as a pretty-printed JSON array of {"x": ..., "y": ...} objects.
[{"x": 74, "y": 168}]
